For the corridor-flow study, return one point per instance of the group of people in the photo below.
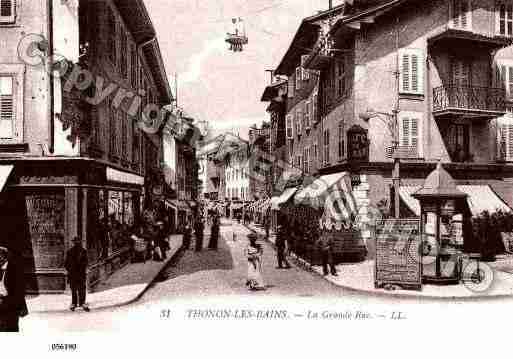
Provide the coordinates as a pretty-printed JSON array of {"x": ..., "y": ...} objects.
[
  {"x": 198, "y": 227},
  {"x": 155, "y": 239},
  {"x": 284, "y": 235}
]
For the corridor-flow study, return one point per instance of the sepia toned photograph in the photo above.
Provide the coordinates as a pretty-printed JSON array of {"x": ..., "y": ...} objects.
[{"x": 268, "y": 161}]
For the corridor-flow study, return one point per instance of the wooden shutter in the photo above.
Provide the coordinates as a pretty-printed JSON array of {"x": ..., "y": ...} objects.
[
  {"x": 6, "y": 107},
  {"x": 290, "y": 89},
  {"x": 405, "y": 73},
  {"x": 299, "y": 121},
  {"x": 305, "y": 74},
  {"x": 307, "y": 114},
  {"x": 509, "y": 142},
  {"x": 314, "y": 108},
  {"x": 406, "y": 132},
  {"x": 7, "y": 11},
  {"x": 412, "y": 71},
  {"x": 414, "y": 135},
  {"x": 461, "y": 14},
  {"x": 298, "y": 78}
]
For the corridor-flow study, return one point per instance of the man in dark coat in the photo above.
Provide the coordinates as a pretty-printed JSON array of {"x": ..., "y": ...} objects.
[
  {"x": 214, "y": 234},
  {"x": 12, "y": 291},
  {"x": 76, "y": 265},
  {"x": 198, "y": 231},
  {"x": 281, "y": 243},
  {"x": 325, "y": 247}
]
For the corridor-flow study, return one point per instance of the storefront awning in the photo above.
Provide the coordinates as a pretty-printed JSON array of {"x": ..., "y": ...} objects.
[
  {"x": 5, "y": 171},
  {"x": 277, "y": 201},
  {"x": 331, "y": 192},
  {"x": 480, "y": 198}
]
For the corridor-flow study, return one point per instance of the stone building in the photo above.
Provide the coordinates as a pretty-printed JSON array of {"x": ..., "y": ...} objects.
[
  {"x": 432, "y": 76},
  {"x": 73, "y": 157}
]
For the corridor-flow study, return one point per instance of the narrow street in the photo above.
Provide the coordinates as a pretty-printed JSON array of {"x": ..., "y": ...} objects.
[{"x": 223, "y": 272}]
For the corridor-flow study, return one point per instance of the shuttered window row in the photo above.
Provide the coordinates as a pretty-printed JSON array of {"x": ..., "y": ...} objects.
[
  {"x": 505, "y": 18},
  {"x": 461, "y": 14}
]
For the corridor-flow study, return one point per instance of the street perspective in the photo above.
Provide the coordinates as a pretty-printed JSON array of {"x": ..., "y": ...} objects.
[{"x": 269, "y": 156}]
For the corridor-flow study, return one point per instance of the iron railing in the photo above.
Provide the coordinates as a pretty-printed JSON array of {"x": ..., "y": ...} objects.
[{"x": 470, "y": 98}]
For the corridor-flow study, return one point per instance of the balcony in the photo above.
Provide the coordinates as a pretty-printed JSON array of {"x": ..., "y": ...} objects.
[
  {"x": 469, "y": 101},
  {"x": 458, "y": 39}
]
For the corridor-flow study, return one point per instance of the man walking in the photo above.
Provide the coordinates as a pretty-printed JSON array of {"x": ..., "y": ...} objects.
[
  {"x": 199, "y": 228},
  {"x": 214, "y": 234},
  {"x": 76, "y": 265},
  {"x": 281, "y": 244},
  {"x": 325, "y": 246}
]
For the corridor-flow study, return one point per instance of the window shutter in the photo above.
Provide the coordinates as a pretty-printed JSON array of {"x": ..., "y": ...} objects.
[
  {"x": 314, "y": 108},
  {"x": 7, "y": 11},
  {"x": 406, "y": 73},
  {"x": 290, "y": 130},
  {"x": 307, "y": 115},
  {"x": 290, "y": 90},
  {"x": 298, "y": 78},
  {"x": 510, "y": 142},
  {"x": 461, "y": 14},
  {"x": 510, "y": 80},
  {"x": 415, "y": 73},
  {"x": 305, "y": 72},
  {"x": 406, "y": 131},
  {"x": 6, "y": 107},
  {"x": 414, "y": 135},
  {"x": 299, "y": 121}
]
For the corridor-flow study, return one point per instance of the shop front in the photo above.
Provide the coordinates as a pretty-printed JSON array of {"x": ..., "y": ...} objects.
[{"x": 46, "y": 203}]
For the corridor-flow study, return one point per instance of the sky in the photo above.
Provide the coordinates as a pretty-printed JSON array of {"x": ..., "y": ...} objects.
[{"x": 215, "y": 84}]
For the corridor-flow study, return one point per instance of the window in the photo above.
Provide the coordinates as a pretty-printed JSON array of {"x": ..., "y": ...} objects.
[
  {"x": 123, "y": 48},
  {"x": 306, "y": 159},
  {"x": 505, "y": 78},
  {"x": 112, "y": 35},
  {"x": 314, "y": 108},
  {"x": 412, "y": 71},
  {"x": 7, "y": 11},
  {"x": 304, "y": 72},
  {"x": 11, "y": 103},
  {"x": 299, "y": 120},
  {"x": 124, "y": 135},
  {"x": 298, "y": 78},
  {"x": 504, "y": 23},
  {"x": 409, "y": 135},
  {"x": 461, "y": 14},
  {"x": 459, "y": 142},
  {"x": 505, "y": 148},
  {"x": 315, "y": 153},
  {"x": 290, "y": 87},
  {"x": 6, "y": 107},
  {"x": 326, "y": 147},
  {"x": 307, "y": 115},
  {"x": 289, "y": 126},
  {"x": 341, "y": 145}
]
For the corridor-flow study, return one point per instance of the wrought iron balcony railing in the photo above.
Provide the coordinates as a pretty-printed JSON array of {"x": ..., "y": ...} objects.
[{"x": 469, "y": 98}]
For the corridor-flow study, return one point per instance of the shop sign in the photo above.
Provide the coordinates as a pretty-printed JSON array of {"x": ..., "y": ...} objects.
[{"x": 398, "y": 254}]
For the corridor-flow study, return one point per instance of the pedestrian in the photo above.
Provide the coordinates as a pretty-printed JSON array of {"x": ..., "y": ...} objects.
[
  {"x": 281, "y": 244},
  {"x": 325, "y": 244},
  {"x": 214, "y": 234},
  {"x": 162, "y": 240},
  {"x": 199, "y": 230},
  {"x": 254, "y": 254},
  {"x": 187, "y": 234},
  {"x": 267, "y": 226},
  {"x": 12, "y": 291},
  {"x": 76, "y": 266}
]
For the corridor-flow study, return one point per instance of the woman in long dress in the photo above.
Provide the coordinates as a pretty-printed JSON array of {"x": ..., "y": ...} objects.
[{"x": 254, "y": 254}]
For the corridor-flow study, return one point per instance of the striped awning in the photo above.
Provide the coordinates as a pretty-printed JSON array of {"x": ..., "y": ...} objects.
[
  {"x": 334, "y": 195},
  {"x": 479, "y": 198},
  {"x": 5, "y": 172},
  {"x": 277, "y": 201}
]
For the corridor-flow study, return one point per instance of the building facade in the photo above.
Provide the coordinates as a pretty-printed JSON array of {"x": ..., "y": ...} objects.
[
  {"x": 432, "y": 76},
  {"x": 260, "y": 162},
  {"x": 75, "y": 160}
]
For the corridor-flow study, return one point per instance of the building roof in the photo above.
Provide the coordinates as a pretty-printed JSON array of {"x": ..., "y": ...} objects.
[
  {"x": 272, "y": 91},
  {"x": 439, "y": 184},
  {"x": 304, "y": 40}
]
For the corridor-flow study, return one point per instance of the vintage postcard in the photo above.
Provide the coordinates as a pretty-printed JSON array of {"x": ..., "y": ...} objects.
[{"x": 195, "y": 171}]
